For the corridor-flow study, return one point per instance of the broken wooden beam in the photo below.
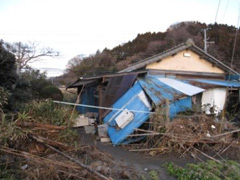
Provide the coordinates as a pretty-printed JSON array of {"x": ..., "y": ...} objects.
[
  {"x": 48, "y": 141},
  {"x": 150, "y": 149},
  {"x": 145, "y": 134},
  {"x": 40, "y": 125},
  {"x": 226, "y": 133}
]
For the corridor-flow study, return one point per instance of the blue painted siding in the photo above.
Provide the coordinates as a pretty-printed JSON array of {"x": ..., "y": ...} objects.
[
  {"x": 180, "y": 106},
  {"x": 87, "y": 98},
  {"x": 130, "y": 101}
]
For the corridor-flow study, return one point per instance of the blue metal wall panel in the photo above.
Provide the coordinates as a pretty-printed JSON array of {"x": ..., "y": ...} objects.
[
  {"x": 180, "y": 106},
  {"x": 130, "y": 101},
  {"x": 87, "y": 98},
  {"x": 158, "y": 92}
]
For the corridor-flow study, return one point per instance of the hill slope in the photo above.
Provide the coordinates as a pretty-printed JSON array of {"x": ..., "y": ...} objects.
[{"x": 148, "y": 44}]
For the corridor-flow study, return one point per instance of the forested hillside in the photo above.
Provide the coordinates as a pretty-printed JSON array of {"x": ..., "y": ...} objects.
[{"x": 148, "y": 44}]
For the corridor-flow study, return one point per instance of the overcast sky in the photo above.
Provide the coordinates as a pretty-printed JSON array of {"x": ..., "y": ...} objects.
[{"x": 83, "y": 26}]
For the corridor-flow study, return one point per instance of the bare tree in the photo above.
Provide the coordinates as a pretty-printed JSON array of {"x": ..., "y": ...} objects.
[
  {"x": 75, "y": 61},
  {"x": 26, "y": 53}
]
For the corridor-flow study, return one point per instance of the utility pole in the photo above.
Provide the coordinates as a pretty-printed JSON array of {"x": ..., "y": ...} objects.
[{"x": 206, "y": 40}]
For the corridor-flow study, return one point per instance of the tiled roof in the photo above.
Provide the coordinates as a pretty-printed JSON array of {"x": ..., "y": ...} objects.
[{"x": 188, "y": 45}]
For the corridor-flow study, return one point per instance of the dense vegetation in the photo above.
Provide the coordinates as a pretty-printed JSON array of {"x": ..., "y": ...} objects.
[
  {"x": 7, "y": 68},
  {"x": 21, "y": 87},
  {"x": 148, "y": 44}
]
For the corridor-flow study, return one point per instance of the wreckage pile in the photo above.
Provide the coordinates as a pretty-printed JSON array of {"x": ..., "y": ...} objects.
[
  {"x": 40, "y": 143},
  {"x": 192, "y": 134}
]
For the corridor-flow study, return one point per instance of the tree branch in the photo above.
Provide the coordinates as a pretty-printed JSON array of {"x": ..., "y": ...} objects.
[{"x": 28, "y": 52}]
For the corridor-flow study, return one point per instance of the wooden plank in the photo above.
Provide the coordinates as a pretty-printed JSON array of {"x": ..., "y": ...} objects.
[{"x": 167, "y": 112}]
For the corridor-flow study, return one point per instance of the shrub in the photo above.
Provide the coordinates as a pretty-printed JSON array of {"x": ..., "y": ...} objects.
[
  {"x": 51, "y": 92},
  {"x": 48, "y": 112},
  {"x": 3, "y": 98}
]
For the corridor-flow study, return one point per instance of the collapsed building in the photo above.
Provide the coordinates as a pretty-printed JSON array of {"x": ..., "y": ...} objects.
[{"x": 177, "y": 80}]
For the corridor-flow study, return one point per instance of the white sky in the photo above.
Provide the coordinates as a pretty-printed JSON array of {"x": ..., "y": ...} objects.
[{"x": 83, "y": 26}]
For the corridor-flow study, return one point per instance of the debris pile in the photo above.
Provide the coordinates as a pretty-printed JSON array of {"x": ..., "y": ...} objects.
[
  {"x": 192, "y": 134},
  {"x": 33, "y": 147}
]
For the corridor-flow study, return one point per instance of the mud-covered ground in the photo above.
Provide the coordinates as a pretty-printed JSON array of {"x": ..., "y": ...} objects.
[{"x": 142, "y": 163}]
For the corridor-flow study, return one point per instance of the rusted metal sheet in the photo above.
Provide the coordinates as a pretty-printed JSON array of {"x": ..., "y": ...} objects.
[
  {"x": 222, "y": 83},
  {"x": 202, "y": 85},
  {"x": 117, "y": 86},
  {"x": 84, "y": 83},
  {"x": 159, "y": 91},
  {"x": 103, "y": 78}
]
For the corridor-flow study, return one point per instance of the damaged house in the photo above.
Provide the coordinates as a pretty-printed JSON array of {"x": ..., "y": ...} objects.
[{"x": 179, "y": 79}]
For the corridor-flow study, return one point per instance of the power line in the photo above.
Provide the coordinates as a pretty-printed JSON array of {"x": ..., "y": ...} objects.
[
  {"x": 219, "y": 2},
  {"x": 225, "y": 10},
  {"x": 106, "y": 108}
]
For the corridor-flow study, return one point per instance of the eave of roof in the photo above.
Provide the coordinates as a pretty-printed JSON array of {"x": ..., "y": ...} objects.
[
  {"x": 214, "y": 60},
  {"x": 223, "y": 83}
]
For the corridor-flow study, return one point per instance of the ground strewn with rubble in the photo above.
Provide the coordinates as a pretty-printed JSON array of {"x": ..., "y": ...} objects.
[{"x": 40, "y": 143}]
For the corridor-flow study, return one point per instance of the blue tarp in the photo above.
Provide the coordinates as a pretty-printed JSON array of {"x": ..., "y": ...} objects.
[{"x": 131, "y": 101}]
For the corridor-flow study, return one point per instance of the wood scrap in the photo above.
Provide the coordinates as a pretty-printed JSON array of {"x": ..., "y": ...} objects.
[
  {"x": 40, "y": 126},
  {"x": 184, "y": 133},
  {"x": 50, "y": 142},
  {"x": 150, "y": 149},
  {"x": 145, "y": 134},
  {"x": 210, "y": 157},
  {"x": 78, "y": 162},
  {"x": 226, "y": 133}
]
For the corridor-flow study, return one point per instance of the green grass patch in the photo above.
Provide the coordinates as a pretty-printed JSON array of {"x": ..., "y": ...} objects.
[
  {"x": 154, "y": 175},
  {"x": 209, "y": 170}
]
